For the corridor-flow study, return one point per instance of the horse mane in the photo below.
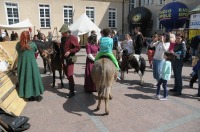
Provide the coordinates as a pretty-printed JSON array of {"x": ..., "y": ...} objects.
[{"x": 42, "y": 45}]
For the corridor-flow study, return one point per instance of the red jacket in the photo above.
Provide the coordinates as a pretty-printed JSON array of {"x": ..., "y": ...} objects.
[{"x": 72, "y": 45}]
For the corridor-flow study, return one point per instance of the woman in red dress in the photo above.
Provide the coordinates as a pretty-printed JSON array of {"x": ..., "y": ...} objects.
[{"x": 91, "y": 49}]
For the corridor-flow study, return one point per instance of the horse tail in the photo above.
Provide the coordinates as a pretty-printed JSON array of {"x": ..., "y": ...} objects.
[{"x": 142, "y": 65}]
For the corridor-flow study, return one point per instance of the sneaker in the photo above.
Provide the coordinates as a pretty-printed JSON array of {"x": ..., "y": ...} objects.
[
  {"x": 119, "y": 76},
  {"x": 156, "y": 97},
  {"x": 154, "y": 86},
  {"x": 163, "y": 99}
]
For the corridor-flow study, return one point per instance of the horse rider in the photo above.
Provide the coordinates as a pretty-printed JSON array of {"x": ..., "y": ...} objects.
[{"x": 69, "y": 47}]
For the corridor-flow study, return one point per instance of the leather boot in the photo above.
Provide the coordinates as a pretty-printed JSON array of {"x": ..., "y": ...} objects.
[{"x": 71, "y": 91}]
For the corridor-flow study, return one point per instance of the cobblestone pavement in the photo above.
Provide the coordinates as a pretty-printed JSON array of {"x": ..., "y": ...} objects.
[{"x": 132, "y": 108}]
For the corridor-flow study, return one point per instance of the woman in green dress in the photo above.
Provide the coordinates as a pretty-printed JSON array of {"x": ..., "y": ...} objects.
[{"x": 30, "y": 82}]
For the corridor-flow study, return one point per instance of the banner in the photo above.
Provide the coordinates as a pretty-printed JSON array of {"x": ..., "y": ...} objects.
[{"x": 195, "y": 21}]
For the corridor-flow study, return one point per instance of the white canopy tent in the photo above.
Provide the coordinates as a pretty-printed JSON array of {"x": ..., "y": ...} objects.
[
  {"x": 84, "y": 25},
  {"x": 21, "y": 25}
]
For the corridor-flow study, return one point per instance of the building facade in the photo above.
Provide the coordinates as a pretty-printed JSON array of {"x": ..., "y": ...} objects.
[{"x": 49, "y": 15}]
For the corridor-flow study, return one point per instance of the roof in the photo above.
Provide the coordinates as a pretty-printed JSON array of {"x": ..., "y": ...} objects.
[
  {"x": 195, "y": 10},
  {"x": 83, "y": 25},
  {"x": 21, "y": 25}
]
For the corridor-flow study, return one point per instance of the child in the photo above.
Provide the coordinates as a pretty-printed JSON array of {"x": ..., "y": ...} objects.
[
  {"x": 106, "y": 46},
  {"x": 166, "y": 75}
]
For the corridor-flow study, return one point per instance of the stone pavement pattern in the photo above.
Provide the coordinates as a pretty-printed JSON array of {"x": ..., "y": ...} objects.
[{"x": 132, "y": 108}]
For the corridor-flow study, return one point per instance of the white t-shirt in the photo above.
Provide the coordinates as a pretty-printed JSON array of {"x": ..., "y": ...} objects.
[
  {"x": 160, "y": 49},
  {"x": 129, "y": 46}
]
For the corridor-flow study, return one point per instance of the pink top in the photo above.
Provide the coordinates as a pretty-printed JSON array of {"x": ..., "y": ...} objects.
[{"x": 171, "y": 47}]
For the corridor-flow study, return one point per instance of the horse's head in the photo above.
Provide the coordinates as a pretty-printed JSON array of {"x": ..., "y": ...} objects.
[{"x": 55, "y": 50}]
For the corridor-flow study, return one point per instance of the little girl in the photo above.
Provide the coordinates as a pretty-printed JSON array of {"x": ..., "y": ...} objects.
[{"x": 166, "y": 75}]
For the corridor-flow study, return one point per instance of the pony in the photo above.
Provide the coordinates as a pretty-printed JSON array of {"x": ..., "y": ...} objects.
[
  {"x": 44, "y": 49},
  {"x": 56, "y": 62},
  {"x": 51, "y": 55},
  {"x": 132, "y": 61},
  {"x": 104, "y": 74}
]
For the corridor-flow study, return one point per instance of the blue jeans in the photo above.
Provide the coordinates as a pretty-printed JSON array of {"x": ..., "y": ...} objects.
[
  {"x": 157, "y": 68},
  {"x": 177, "y": 68},
  {"x": 164, "y": 84}
]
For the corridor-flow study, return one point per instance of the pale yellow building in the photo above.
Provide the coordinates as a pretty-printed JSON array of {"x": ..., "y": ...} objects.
[{"x": 47, "y": 15}]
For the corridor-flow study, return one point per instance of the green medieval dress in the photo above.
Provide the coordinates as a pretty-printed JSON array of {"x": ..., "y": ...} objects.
[{"x": 30, "y": 81}]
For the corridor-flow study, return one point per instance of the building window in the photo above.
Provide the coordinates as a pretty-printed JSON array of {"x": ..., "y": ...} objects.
[
  {"x": 148, "y": 2},
  {"x": 68, "y": 14},
  {"x": 90, "y": 13},
  {"x": 142, "y": 2},
  {"x": 44, "y": 16},
  {"x": 112, "y": 18},
  {"x": 161, "y": 2},
  {"x": 12, "y": 13},
  {"x": 131, "y": 4}
]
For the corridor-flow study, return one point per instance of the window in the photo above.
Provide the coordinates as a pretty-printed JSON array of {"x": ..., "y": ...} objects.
[
  {"x": 112, "y": 18},
  {"x": 90, "y": 13},
  {"x": 44, "y": 16},
  {"x": 131, "y": 4},
  {"x": 12, "y": 13},
  {"x": 148, "y": 2},
  {"x": 142, "y": 2},
  {"x": 68, "y": 14},
  {"x": 161, "y": 2}
]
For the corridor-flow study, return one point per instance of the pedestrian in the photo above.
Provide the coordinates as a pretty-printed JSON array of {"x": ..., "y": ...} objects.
[
  {"x": 106, "y": 45},
  {"x": 69, "y": 47},
  {"x": 128, "y": 44},
  {"x": 138, "y": 41},
  {"x": 12, "y": 36},
  {"x": 198, "y": 93},
  {"x": 115, "y": 41},
  {"x": 162, "y": 45},
  {"x": 50, "y": 36},
  {"x": 165, "y": 75},
  {"x": 151, "y": 51},
  {"x": 91, "y": 49},
  {"x": 180, "y": 52},
  {"x": 194, "y": 74},
  {"x": 29, "y": 79}
]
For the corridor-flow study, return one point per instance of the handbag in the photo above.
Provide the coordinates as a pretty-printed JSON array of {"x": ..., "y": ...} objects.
[{"x": 194, "y": 60}]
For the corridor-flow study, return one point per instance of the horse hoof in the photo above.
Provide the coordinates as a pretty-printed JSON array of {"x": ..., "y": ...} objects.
[
  {"x": 107, "y": 113},
  {"x": 110, "y": 97}
]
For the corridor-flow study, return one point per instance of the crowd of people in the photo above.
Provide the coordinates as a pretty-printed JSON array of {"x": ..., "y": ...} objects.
[
  {"x": 4, "y": 36},
  {"x": 165, "y": 55}
]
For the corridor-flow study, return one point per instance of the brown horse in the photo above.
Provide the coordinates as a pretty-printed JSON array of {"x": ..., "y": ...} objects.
[
  {"x": 56, "y": 62},
  {"x": 104, "y": 74},
  {"x": 51, "y": 56}
]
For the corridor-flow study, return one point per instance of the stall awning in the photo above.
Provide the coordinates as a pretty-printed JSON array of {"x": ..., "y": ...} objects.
[{"x": 21, "y": 25}]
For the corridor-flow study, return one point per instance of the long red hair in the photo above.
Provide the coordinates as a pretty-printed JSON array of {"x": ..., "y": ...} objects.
[{"x": 24, "y": 39}]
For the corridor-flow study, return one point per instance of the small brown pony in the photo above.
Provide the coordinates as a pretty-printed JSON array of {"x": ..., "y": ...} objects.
[
  {"x": 104, "y": 74},
  {"x": 51, "y": 55}
]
